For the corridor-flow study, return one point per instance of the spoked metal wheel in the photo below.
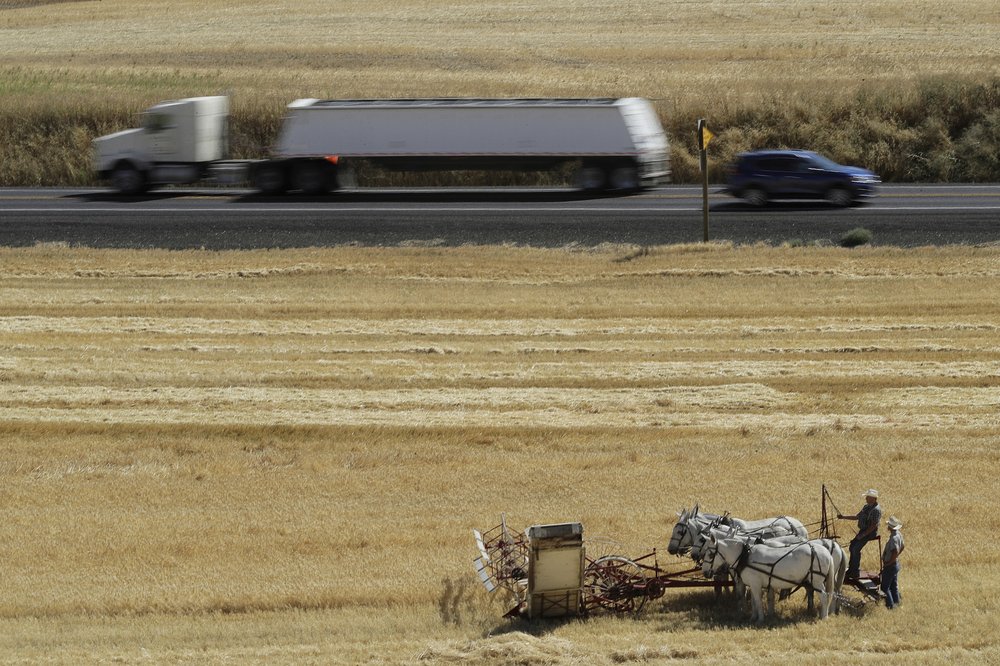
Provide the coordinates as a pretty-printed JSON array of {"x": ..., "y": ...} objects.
[
  {"x": 614, "y": 583},
  {"x": 598, "y": 547}
]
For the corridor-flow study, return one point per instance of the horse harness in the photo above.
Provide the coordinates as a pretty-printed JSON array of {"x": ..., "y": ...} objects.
[
  {"x": 760, "y": 532},
  {"x": 724, "y": 519},
  {"x": 743, "y": 562},
  {"x": 693, "y": 534}
]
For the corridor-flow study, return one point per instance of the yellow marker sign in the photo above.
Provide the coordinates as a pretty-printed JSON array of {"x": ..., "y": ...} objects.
[{"x": 706, "y": 136}]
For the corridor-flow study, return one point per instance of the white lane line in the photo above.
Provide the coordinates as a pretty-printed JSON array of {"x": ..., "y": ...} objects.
[
  {"x": 236, "y": 208},
  {"x": 878, "y": 209}
]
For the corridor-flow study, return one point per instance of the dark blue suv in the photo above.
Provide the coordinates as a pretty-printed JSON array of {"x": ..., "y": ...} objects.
[{"x": 763, "y": 175}]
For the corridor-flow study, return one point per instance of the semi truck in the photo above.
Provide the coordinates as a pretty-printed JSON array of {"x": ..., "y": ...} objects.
[{"x": 613, "y": 144}]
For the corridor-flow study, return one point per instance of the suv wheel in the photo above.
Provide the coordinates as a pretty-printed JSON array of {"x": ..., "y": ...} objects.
[
  {"x": 839, "y": 196},
  {"x": 755, "y": 196}
]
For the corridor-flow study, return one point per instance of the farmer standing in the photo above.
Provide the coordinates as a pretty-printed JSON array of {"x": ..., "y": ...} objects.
[
  {"x": 890, "y": 563},
  {"x": 868, "y": 519}
]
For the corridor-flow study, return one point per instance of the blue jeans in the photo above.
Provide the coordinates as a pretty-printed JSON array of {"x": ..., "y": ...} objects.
[
  {"x": 855, "y": 547},
  {"x": 890, "y": 584}
]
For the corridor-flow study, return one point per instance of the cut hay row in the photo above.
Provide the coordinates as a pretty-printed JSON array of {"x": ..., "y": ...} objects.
[{"x": 203, "y": 465}]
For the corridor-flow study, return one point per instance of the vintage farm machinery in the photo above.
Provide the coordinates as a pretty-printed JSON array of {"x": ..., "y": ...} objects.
[{"x": 552, "y": 571}]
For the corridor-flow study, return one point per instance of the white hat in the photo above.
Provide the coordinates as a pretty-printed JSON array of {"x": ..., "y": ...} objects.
[
  {"x": 894, "y": 523},
  {"x": 871, "y": 492}
]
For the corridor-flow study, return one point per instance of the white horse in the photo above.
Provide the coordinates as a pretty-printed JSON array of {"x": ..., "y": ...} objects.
[
  {"x": 710, "y": 569},
  {"x": 762, "y": 567},
  {"x": 781, "y": 530},
  {"x": 687, "y": 528},
  {"x": 722, "y": 523},
  {"x": 836, "y": 552},
  {"x": 770, "y": 528},
  {"x": 692, "y": 524},
  {"x": 708, "y": 565},
  {"x": 840, "y": 570}
]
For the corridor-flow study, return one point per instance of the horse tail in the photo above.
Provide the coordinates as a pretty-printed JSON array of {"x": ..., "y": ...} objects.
[
  {"x": 840, "y": 560},
  {"x": 829, "y": 578},
  {"x": 831, "y": 586},
  {"x": 842, "y": 571}
]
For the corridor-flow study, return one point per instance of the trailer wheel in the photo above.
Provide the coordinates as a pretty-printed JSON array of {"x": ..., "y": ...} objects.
[
  {"x": 269, "y": 178},
  {"x": 591, "y": 178},
  {"x": 313, "y": 177},
  {"x": 624, "y": 179},
  {"x": 126, "y": 179}
]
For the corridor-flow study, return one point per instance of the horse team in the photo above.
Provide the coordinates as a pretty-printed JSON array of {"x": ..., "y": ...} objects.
[{"x": 773, "y": 555}]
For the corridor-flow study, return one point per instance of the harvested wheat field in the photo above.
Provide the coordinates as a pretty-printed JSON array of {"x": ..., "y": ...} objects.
[
  {"x": 718, "y": 50},
  {"x": 277, "y": 456}
]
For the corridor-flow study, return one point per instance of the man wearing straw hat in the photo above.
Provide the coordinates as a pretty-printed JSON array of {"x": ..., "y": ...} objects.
[
  {"x": 868, "y": 519},
  {"x": 890, "y": 563}
]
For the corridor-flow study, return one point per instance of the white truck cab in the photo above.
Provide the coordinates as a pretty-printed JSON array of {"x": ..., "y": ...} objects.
[{"x": 176, "y": 142}]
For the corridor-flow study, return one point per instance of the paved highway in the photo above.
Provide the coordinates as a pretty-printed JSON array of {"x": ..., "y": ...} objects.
[{"x": 904, "y": 215}]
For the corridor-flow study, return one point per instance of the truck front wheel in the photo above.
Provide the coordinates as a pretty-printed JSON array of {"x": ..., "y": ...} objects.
[
  {"x": 269, "y": 178},
  {"x": 126, "y": 179}
]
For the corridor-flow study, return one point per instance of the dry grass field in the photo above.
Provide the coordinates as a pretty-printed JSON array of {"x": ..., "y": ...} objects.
[
  {"x": 276, "y": 456},
  {"x": 876, "y": 82},
  {"x": 675, "y": 51}
]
